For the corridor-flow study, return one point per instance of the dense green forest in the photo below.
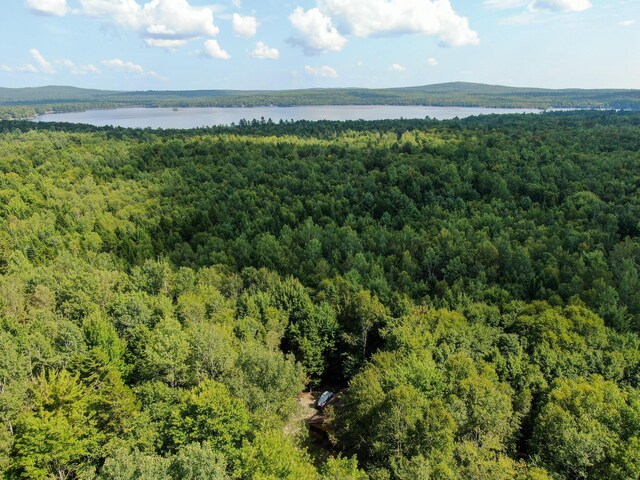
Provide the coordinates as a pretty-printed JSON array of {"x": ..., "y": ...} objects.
[
  {"x": 20, "y": 103},
  {"x": 473, "y": 286}
]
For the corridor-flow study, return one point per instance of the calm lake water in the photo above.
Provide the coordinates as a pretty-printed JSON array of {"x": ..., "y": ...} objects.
[{"x": 199, "y": 117}]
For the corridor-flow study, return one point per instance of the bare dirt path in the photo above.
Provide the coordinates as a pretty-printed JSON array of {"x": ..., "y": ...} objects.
[
  {"x": 306, "y": 410},
  {"x": 297, "y": 426}
]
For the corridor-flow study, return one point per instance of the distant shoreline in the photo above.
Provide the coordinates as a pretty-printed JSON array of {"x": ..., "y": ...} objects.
[
  {"x": 36, "y": 116},
  {"x": 30, "y": 102},
  {"x": 195, "y": 117}
]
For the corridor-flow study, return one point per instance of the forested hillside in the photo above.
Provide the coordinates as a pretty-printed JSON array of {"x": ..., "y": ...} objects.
[
  {"x": 20, "y": 103},
  {"x": 472, "y": 285}
]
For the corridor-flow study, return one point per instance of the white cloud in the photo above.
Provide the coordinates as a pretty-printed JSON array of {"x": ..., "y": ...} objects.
[
  {"x": 506, "y": 4},
  {"x": 627, "y": 23},
  {"x": 164, "y": 42},
  {"x": 43, "y": 65},
  {"x": 560, "y": 5},
  {"x": 536, "y": 6},
  {"x": 323, "y": 28},
  {"x": 23, "y": 69},
  {"x": 48, "y": 7},
  {"x": 244, "y": 26},
  {"x": 367, "y": 18},
  {"x": 322, "y": 72},
  {"x": 265, "y": 52},
  {"x": 156, "y": 75},
  {"x": 161, "y": 23},
  {"x": 314, "y": 32},
  {"x": 213, "y": 50},
  {"x": 124, "y": 13},
  {"x": 396, "y": 67},
  {"x": 432, "y": 62},
  {"x": 236, "y": 3},
  {"x": 178, "y": 19},
  {"x": 78, "y": 69},
  {"x": 123, "y": 66},
  {"x": 28, "y": 68}
]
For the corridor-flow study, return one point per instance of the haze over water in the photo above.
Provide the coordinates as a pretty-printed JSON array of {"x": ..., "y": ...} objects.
[{"x": 199, "y": 117}]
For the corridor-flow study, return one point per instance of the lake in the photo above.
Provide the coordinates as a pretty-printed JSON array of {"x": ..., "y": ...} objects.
[{"x": 199, "y": 117}]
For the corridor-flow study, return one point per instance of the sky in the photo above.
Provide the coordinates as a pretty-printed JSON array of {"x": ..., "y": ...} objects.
[{"x": 268, "y": 44}]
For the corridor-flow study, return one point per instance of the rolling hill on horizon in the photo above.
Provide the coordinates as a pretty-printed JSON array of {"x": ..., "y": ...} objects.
[{"x": 20, "y": 103}]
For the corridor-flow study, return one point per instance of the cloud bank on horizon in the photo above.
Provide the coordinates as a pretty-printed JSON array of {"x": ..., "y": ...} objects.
[{"x": 339, "y": 30}]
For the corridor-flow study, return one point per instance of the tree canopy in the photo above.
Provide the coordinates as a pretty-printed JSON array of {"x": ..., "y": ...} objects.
[{"x": 472, "y": 286}]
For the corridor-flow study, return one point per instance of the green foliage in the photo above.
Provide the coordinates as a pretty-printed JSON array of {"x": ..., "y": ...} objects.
[
  {"x": 267, "y": 381},
  {"x": 192, "y": 462},
  {"x": 312, "y": 329},
  {"x": 116, "y": 410},
  {"x": 100, "y": 333},
  {"x": 166, "y": 352},
  {"x": 342, "y": 468},
  {"x": 58, "y": 437},
  {"x": 210, "y": 413},
  {"x": 454, "y": 397},
  {"x": 588, "y": 428},
  {"x": 273, "y": 456},
  {"x": 470, "y": 287},
  {"x": 135, "y": 465},
  {"x": 49, "y": 445},
  {"x": 198, "y": 461}
]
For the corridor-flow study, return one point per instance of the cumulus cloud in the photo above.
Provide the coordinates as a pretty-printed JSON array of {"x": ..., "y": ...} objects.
[
  {"x": 396, "y": 67},
  {"x": 322, "y": 72},
  {"x": 244, "y": 26},
  {"x": 366, "y": 18},
  {"x": 627, "y": 23},
  {"x": 263, "y": 51},
  {"x": 432, "y": 62},
  {"x": 124, "y": 13},
  {"x": 324, "y": 28},
  {"x": 314, "y": 32},
  {"x": 161, "y": 23},
  {"x": 43, "y": 65},
  {"x": 176, "y": 19},
  {"x": 213, "y": 50},
  {"x": 123, "y": 66},
  {"x": 78, "y": 69},
  {"x": 48, "y": 7}
]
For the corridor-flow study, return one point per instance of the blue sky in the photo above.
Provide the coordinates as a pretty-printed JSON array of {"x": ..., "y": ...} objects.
[{"x": 267, "y": 44}]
